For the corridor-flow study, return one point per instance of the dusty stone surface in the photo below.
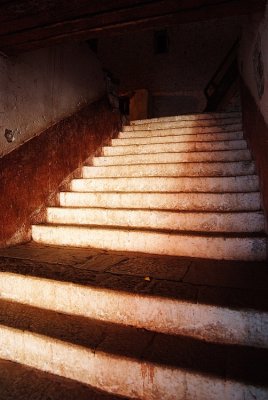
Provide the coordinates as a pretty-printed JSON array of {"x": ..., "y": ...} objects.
[
  {"x": 167, "y": 268},
  {"x": 153, "y": 364},
  {"x": 220, "y": 246},
  {"x": 189, "y": 117},
  {"x": 180, "y": 131},
  {"x": 155, "y": 219},
  {"x": 164, "y": 201},
  {"x": 174, "y": 147},
  {"x": 239, "y": 363},
  {"x": 234, "y": 274},
  {"x": 203, "y": 156},
  {"x": 180, "y": 138},
  {"x": 177, "y": 169},
  {"x": 183, "y": 124},
  {"x": 19, "y": 382},
  {"x": 243, "y": 184},
  {"x": 225, "y": 283}
]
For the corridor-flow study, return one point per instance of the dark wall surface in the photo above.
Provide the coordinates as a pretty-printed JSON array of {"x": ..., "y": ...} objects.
[{"x": 34, "y": 171}]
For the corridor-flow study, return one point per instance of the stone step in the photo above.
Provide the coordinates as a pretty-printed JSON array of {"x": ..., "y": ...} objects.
[
  {"x": 189, "y": 117},
  {"x": 182, "y": 124},
  {"x": 153, "y": 219},
  {"x": 174, "y": 147},
  {"x": 129, "y": 362},
  {"x": 185, "y": 130},
  {"x": 215, "y": 301},
  {"x": 21, "y": 382},
  {"x": 160, "y": 158},
  {"x": 205, "y": 137},
  {"x": 165, "y": 201},
  {"x": 187, "y": 244},
  {"x": 180, "y": 169},
  {"x": 248, "y": 183}
]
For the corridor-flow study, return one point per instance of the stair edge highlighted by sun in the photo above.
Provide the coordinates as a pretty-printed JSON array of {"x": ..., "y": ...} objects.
[{"x": 182, "y": 186}]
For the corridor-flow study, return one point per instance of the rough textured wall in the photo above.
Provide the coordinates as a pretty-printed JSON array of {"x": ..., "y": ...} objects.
[
  {"x": 42, "y": 87},
  {"x": 253, "y": 62},
  {"x": 30, "y": 174},
  {"x": 175, "y": 80}
]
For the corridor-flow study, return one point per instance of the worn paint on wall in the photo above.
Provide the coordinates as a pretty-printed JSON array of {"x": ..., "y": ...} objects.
[
  {"x": 175, "y": 80},
  {"x": 258, "y": 66},
  {"x": 253, "y": 62},
  {"x": 40, "y": 88},
  {"x": 31, "y": 173},
  {"x": 256, "y": 132}
]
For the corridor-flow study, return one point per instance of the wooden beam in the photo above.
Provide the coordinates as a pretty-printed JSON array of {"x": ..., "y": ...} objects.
[
  {"x": 43, "y": 13},
  {"x": 148, "y": 15}
]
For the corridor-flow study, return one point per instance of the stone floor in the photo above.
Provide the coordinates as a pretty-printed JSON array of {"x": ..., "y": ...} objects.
[
  {"x": 224, "y": 283},
  {"x": 235, "y": 285},
  {"x": 18, "y": 382}
]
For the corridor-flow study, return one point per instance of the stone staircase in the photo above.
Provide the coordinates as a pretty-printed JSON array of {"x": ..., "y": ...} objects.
[
  {"x": 181, "y": 186},
  {"x": 88, "y": 322}
]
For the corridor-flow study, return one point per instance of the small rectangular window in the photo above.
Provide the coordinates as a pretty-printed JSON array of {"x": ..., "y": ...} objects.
[{"x": 161, "y": 42}]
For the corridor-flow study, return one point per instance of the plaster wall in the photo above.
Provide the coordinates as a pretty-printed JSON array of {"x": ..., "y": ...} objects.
[
  {"x": 175, "y": 80},
  {"x": 40, "y": 88},
  {"x": 253, "y": 59},
  {"x": 253, "y": 63}
]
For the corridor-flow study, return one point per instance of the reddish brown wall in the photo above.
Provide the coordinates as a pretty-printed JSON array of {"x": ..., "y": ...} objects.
[
  {"x": 256, "y": 132},
  {"x": 31, "y": 173}
]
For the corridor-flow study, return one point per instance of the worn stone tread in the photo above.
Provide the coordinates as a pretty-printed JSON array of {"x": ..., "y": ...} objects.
[
  {"x": 162, "y": 201},
  {"x": 184, "y": 124},
  {"x": 211, "y": 245},
  {"x": 236, "y": 168},
  {"x": 240, "y": 184},
  {"x": 240, "y": 363},
  {"x": 193, "y": 156},
  {"x": 205, "y": 137},
  {"x": 194, "y": 116},
  {"x": 154, "y": 219},
  {"x": 174, "y": 147},
  {"x": 181, "y": 278},
  {"x": 185, "y": 130},
  {"x": 20, "y": 382}
]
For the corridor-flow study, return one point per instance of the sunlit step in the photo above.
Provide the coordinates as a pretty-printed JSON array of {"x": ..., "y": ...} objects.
[
  {"x": 202, "y": 156},
  {"x": 189, "y": 117},
  {"x": 105, "y": 297},
  {"x": 165, "y": 201},
  {"x": 183, "y": 124},
  {"x": 174, "y": 147},
  {"x": 248, "y": 183},
  {"x": 162, "y": 243},
  {"x": 180, "y": 169},
  {"x": 126, "y": 361},
  {"x": 205, "y": 137},
  {"x": 183, "y": 130},
  {"x": 152, "y": 219}
]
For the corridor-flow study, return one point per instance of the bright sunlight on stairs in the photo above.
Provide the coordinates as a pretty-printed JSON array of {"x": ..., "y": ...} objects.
[
  {"x": 86, "y": 314},
  {"x": 182, "y": 186}
]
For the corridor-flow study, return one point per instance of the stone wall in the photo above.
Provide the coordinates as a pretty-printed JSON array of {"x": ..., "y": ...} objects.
[
  {"x": 31, "y": 174},
  {"x": 253, "y": 63}
]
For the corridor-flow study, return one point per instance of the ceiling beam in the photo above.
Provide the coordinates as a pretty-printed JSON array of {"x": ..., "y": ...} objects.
[{"x": 134, "y": 16}]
